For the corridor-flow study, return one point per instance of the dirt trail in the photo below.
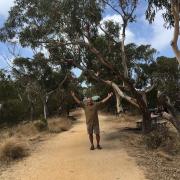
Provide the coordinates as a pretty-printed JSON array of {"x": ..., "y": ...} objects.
[{"x": 67, "y": 157}]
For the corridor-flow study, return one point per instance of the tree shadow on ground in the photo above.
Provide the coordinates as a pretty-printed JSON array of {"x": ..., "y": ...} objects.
[{"x": 121, "y": 133}]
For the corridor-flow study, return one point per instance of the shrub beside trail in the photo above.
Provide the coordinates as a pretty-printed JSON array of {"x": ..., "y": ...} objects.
[{"x": 13, "y": 149}]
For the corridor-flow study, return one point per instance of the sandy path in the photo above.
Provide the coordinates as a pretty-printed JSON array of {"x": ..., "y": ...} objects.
[{"x": 67, "y": 157}]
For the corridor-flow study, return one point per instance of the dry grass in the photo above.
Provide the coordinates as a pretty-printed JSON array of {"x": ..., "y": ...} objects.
[
  {"x": 31, "y": 129},
  {"x": 21, "y": 130},
  {"x": 13, "y": 140},
  {"x": 40, "y": 126},
  {"x": 160, "y": 162},
  {"x": 27, "y": 129},
  {"x": 59, "y": 125},
  {"x": 13, "y": 149}
]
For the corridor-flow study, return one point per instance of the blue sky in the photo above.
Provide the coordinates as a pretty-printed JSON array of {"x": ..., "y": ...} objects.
[{"x": 140, "y": 32}]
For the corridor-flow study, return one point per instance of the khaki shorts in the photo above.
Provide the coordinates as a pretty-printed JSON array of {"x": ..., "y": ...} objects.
[{"x": 93, "y": 128}]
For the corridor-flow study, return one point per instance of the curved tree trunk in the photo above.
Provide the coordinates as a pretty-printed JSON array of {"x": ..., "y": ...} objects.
[
  {"x": 172, "y": 119},
  {"x": 45, "y": 110},
  {"x": 170, "y": 115},
  {"x": 119, "y": 108},
  {"x": 138, "y": 102},
  {"x": 144, "y": 97},
  {"x": 147, "y": 122}
]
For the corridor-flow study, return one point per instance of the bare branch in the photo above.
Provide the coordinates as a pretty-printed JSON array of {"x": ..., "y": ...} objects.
[
  {"x": 122, "y": 94},
  {"x": 113, "y": 8}
]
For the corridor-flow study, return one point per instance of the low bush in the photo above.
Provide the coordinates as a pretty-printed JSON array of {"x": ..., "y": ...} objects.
[
  {"x": 13, "y": 149},
  {"x": 58, "y": 125},
  {"x": 163, "y": 139},
  {"x": 155, "y": 139},
  {"x": 41, "y": 125}
]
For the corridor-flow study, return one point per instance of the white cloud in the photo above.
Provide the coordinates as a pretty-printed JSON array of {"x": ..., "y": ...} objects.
[
  {"x": 156, "y": 34},
  {"x": 158, "y": 37},
  {"x": 5, "y": 6},
  {"x": 161, "y": 36},
  {"x": 115, "y": 18},
  {"x": 130, "y": 36}
]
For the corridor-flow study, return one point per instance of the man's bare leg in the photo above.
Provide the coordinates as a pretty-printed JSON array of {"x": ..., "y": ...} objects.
[
  {"x": 98, "y": 141},
  {"x": 91, "y": 141}
]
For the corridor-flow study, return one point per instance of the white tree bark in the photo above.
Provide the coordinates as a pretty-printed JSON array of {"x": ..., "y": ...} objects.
[
  {"x": 175, "y": 13},
  {"x": 124, "y": 63},
  {"x": 119, "y": 108},
  {"x": 45, "y": 105},
  {"x": 45, "y": 111},
  {"x": 121, "y": 93},
  {"x": 172, "y": 119}
]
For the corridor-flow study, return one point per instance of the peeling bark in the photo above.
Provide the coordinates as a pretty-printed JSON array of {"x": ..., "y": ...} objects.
[
  {"x": 174, "y": 43},
  {"x": 165, "y": 105},
  {"x": 124, "y": 63},
  {"x": 119, "y": 107},
  {"x": 172, "y": 119},
  {"x": 139, "y": 103},
  {"x": 122, "y": 94},
  {"x": 45, "y": 110},
  {"x": 45, "y": 105}
]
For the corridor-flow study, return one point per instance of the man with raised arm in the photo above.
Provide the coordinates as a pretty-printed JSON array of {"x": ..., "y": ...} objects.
[{"x": 91, "y": 112}]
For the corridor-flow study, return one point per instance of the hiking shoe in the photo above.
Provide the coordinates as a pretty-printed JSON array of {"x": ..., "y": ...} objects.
[
  {"x": 99, "y": 147},
  {"x": 92, "y": 147}
]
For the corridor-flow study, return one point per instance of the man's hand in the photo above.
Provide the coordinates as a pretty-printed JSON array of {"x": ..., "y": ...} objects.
[
  {"x": 72, "y": 93},
  {"x": 110, "y": 94},
  {"x": 75, "y": 98}
]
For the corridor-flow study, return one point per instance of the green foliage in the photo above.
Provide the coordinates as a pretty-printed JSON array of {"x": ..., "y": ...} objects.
[
  {"x": 12, "y": 112},
  {"x": 165, "y": 71},
  {"x": 156, "y": 5},
  {"x": 7, "y": 88},
  {"x": 23, "y": 94},
  {"x": 61, "y": 27}
]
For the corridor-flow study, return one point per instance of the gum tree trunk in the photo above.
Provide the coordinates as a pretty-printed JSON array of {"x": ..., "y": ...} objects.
[
  {"x": 119, "y": 107},
  {"x": 138, "y": 102}
]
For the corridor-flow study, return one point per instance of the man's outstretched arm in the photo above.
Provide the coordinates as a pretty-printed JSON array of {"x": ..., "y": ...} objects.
[
  {"x": 75, "y": 98},
  {"x": 107, "y": 98}
]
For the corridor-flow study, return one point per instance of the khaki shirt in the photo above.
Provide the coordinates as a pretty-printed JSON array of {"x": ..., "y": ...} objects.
[{"x": 91, "y": 112}]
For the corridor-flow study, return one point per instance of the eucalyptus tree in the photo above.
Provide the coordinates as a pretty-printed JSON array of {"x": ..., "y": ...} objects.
[
  {"x": 38, "y": 78},
  {"x": 170, "y": 10},
  {"x": 74, "y": 27},
  {"x": 10, "y": 104},
  {"x": 8, "y": 88}
]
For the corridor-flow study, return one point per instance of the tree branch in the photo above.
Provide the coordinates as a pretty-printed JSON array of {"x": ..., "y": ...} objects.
[
  {"x": 121, "y": 93},
  {"x": 112, "y": 7}
]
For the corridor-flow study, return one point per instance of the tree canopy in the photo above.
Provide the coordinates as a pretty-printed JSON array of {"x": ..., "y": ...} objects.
[{"x": 74, "y": 35}]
